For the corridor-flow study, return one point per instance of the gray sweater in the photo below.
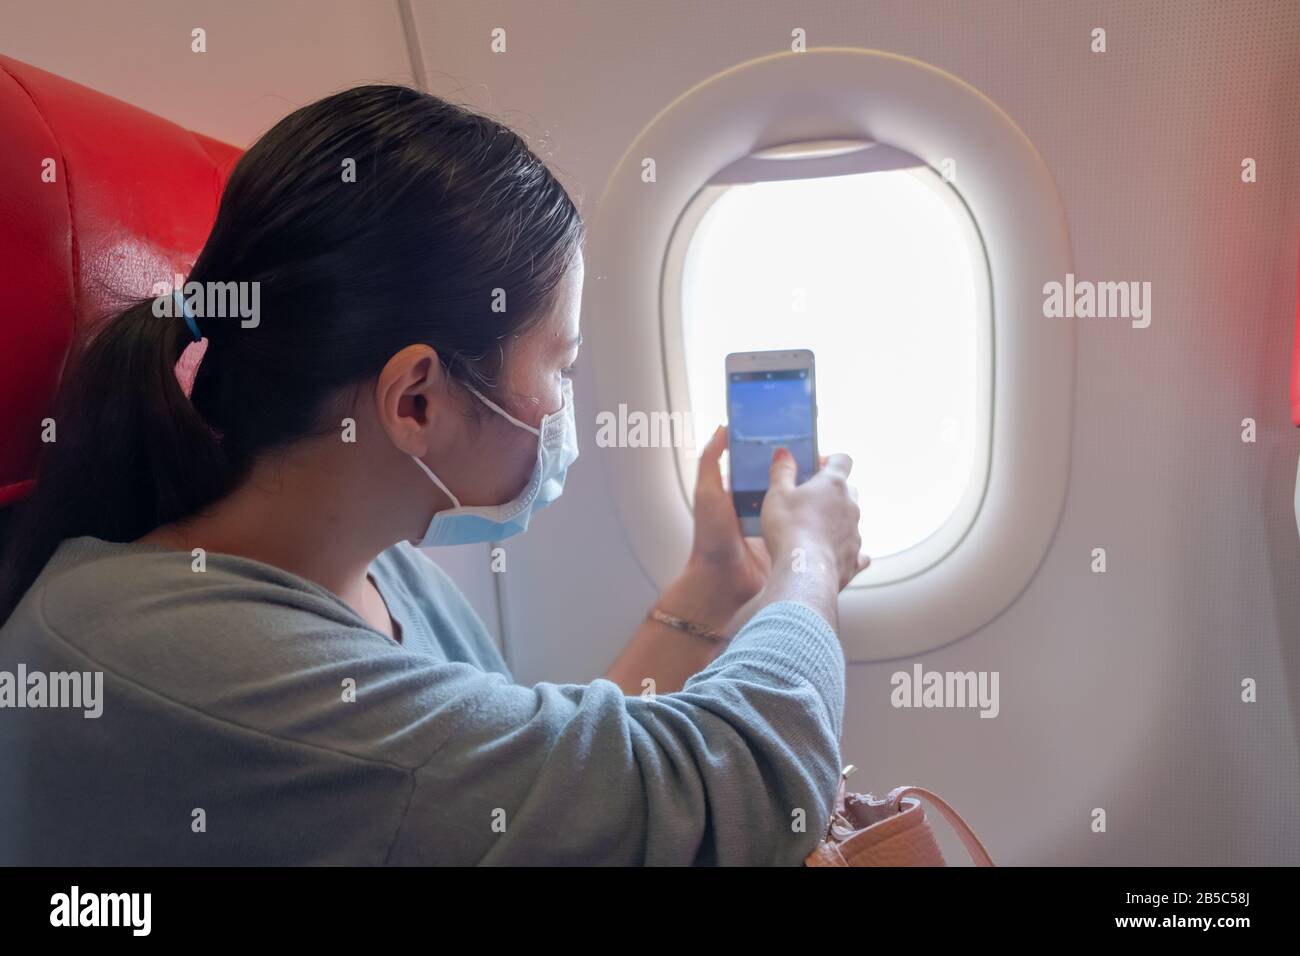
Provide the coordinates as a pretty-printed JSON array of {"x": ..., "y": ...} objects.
[{"x": 249, "y": 716}]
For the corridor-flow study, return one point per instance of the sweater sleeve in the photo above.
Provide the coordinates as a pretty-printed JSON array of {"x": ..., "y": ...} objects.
[{"x": 739, "y": 767}]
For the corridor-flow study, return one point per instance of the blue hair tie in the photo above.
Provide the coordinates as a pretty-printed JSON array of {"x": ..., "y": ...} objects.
[{"x": 184, "y": 308}]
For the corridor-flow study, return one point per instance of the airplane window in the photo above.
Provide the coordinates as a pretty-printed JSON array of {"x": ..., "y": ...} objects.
[{"x": 883, "y": 276}]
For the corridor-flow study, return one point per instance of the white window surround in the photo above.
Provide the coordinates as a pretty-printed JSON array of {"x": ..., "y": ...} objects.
[
  {"x": 908, "y": 107},
  {"x": 934, "y": 548}
]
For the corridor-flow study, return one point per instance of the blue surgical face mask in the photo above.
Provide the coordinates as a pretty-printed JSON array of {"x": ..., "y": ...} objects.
[{"x": 557, "y": 449}]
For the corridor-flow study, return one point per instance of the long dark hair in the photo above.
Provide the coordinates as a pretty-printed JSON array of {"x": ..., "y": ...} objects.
[{"x": 446, "y": 207}]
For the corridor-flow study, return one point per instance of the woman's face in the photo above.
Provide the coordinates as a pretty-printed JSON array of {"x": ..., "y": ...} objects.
[{"x": 498, "y": 458}]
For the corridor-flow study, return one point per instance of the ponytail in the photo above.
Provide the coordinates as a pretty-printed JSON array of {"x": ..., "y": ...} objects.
[{"x": 129, "y": 452}]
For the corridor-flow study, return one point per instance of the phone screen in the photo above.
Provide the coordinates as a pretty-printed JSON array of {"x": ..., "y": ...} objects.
[{"x": 768, "y": 409}]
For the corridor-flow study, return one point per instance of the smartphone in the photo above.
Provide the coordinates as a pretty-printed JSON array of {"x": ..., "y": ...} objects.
[{"x": 771, "y": 403}]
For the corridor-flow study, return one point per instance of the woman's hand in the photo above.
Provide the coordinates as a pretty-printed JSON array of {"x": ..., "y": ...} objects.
[
  {"x": 815, "y": 523},
  {"x": 725, "y": 568}
]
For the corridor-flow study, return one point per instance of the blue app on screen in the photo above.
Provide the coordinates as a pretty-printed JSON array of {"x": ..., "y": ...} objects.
[{"x": 767, "y": 410}]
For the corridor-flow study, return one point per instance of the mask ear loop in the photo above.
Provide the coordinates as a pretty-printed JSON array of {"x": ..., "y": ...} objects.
[
  {"x": 502, "y": 412},
  {"x": 437, "y": 481}
]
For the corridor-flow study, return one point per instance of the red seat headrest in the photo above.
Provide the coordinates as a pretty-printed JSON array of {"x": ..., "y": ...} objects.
[{"x": 99, "y": 201}]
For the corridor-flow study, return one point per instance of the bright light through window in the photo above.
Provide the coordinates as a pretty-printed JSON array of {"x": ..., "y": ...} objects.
[{"x": 877, "y": 274}]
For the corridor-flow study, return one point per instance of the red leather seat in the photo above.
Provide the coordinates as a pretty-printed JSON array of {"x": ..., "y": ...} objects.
[{"x": 131, "y": 203}]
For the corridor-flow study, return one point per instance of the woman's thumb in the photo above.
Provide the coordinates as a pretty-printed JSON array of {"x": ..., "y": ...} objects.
[{"x": 783, "y": 470}]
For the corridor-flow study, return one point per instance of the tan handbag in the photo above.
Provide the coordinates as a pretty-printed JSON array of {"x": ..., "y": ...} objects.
[{"x": 865, "y": 831}]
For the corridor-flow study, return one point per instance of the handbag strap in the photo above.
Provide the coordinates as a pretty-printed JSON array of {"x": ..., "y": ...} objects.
[{"x": 968, "y": 838}]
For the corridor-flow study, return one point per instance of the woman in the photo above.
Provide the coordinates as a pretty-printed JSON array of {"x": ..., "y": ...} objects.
[{"x": 285, "y": 678}]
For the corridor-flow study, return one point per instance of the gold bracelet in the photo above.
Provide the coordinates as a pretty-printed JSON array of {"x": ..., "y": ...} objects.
[{"x": 689, "y": 626}]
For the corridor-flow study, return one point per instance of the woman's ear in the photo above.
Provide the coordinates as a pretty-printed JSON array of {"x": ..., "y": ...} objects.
[{"x": 410, "y": 395}]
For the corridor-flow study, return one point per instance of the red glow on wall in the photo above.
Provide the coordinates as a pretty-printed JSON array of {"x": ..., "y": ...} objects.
[{"x": 1295, "y": 355}]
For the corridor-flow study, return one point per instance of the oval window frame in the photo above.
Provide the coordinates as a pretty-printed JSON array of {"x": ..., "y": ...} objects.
[{"x": 831, "y": 94}]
